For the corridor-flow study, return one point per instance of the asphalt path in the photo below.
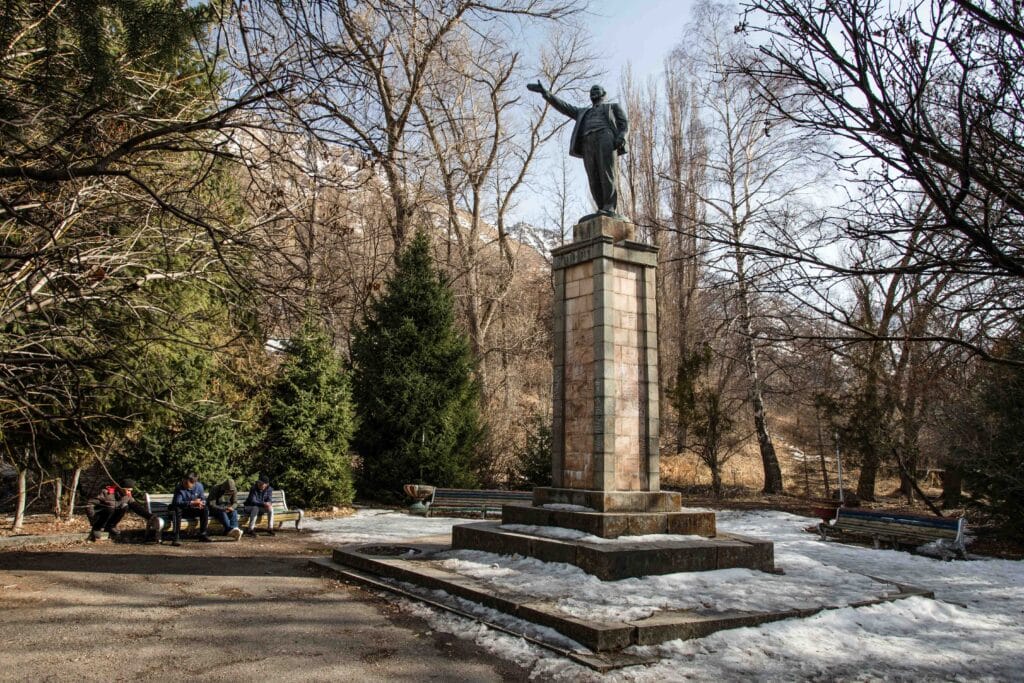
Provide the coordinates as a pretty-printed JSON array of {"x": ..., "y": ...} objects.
[{"x": 223, "y": 611}]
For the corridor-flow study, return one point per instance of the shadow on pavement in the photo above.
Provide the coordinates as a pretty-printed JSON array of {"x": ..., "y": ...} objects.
[{"x": 190, "y": 563}]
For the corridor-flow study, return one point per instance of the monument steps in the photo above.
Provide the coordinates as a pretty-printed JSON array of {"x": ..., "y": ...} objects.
[
  {"x": 622, "y": 559},
  {"x": 410, "y": 569}
]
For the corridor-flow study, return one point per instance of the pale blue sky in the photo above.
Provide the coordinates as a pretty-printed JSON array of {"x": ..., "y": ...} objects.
[{"x": 637, "y": 32}]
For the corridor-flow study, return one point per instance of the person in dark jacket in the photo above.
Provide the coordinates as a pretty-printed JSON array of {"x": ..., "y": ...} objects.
[
  {"x": 189, "y": 502},
  {"x": 223, "y": 502},
  {"x": 259, "y": 502},
  {"x": 107, "y": 508}
]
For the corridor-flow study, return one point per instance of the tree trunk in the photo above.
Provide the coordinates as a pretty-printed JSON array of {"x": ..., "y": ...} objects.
[
  {"x": 72, "y": 492},
  {"x": 716, "y": 479},
  {"x": 874, "y": 423},
  {"x": 58, "y": 496},
  {"x": 952, "y": 486},
  {"x": 868, "y": 475},
  {"x": 821, "y": 455},
  {"x": 19, "y": 509},
  {"x": 769, "y": 461},
  {"x": 907, "y": 486}
]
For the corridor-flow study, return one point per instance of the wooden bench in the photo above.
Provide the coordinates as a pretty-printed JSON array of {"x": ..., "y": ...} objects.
[
  {"x": 468, "y": 501},
  {"x": 898, "y": 529},
  {"x": 157, "y": 504}
]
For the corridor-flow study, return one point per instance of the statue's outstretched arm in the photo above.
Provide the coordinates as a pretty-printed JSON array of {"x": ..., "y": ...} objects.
[{"x": 556, "y": 102}]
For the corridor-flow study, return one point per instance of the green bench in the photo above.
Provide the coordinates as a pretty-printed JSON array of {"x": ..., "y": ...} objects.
[
  {"x": 897, "y": 529},
  {"x": 157, "y": 504},
  {"x": 468, "y": 501}
]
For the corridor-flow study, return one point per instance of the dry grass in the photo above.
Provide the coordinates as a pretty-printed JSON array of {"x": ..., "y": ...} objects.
[{"x": 744, "y": 473}]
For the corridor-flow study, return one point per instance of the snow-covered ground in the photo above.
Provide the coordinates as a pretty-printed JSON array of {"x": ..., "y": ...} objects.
[{"x": 973, "y": 630}]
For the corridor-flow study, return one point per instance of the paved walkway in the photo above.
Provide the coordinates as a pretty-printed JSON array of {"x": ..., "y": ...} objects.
[{"x": 252, "y": 610}]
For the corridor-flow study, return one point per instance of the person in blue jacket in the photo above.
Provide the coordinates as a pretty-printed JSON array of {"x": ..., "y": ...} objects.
[
  {"x": 189, "y": 503},
  {"x": 259, "y": 502}
]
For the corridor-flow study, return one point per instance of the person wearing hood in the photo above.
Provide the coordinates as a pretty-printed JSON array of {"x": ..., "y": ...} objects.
[
  {"x": 259, "y": 502},
  {"x": 223, "y": 502}
]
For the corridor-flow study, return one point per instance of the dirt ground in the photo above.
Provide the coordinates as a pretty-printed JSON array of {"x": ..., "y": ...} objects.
[{"x": 225, "y": 611}]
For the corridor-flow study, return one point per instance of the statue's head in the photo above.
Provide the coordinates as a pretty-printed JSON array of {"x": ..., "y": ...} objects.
[{"x": 597, "y": 94}]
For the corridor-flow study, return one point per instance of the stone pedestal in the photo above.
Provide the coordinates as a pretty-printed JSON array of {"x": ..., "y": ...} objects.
[
  {"x": 605, "y": 427},
  {"x": 605, "y": 391}
]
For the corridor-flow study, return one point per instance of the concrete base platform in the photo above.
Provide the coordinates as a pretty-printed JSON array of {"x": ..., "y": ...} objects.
[
  {"x": 622, "y": 559},
  {"x": 614, "y": 524},
  {"x": 411, "y": 564}
]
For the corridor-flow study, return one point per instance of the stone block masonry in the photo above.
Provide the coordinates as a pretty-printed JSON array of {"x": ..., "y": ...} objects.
[{"x": 605, "y": 431}]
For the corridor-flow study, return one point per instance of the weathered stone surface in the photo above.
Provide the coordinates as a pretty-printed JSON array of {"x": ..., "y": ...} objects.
[
  {"x": 685, "y": 626},
  {"x": 763, "y": 551},
  {"x": 692, "y": 523},
  {"x": 643, "y": 524},
  {"x": 609, "y": 501},
  {"x": 598, "y": 635},
  {"x": 601, "y": 636},
  {"x": 612, "y": 562},
  {"x": 614, "y": 524},
  {"x": 605, "y": 427},
  {"x": 606, "y": 226}
]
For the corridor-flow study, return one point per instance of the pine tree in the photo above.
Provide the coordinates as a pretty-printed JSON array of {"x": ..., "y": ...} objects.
[
  {"x": 993, "y": 466},
  {"x": 535, "y": 456},
  {"x": 310, "y": 423},
  {"x": 413, "y": 384}
]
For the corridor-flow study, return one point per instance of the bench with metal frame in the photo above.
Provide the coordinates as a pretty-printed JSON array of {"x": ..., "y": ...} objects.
[
  {"x": 898, "y": 529},
  {"x": 157, "y": 504},
  {"x": 469, "y": 501}
]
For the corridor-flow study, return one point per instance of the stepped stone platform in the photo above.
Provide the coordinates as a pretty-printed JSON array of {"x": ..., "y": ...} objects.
[
  {"x": 395, "y": 567},
  {"x": 622, "y": 559},
  {"x": 614, "y": 515},
  {"x": 614, "y": 524}
]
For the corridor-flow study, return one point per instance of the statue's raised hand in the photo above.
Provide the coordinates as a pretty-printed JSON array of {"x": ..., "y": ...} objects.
[{"x": 536, "y": 87}]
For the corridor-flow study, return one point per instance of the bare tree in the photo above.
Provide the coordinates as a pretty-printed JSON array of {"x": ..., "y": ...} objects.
[
  {"x": 356, "y": 70},
  {"x": 927, "y": 98},
  {"x": 756, "y": 171},
  {"x": 485, "y": 140},
  {"x": 685, "y": 172}
]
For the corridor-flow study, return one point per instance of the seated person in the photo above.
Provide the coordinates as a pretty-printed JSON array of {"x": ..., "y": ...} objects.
[
  {"x": 188, "y": 502},
  {"x": 259, "y": 502},
  {"x": 106, "y": 509},
  {"x": 223, "y": 502}
]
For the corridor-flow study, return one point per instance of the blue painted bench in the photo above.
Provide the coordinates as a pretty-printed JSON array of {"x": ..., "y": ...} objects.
[{"x": 898, "y": 529}]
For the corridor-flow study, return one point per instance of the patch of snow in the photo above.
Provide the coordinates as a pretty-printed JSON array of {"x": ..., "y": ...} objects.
[
  {"x": 574, "y": 535},
  {"x": 578, "y": 594},
  {"x": 568, "y": 507}
]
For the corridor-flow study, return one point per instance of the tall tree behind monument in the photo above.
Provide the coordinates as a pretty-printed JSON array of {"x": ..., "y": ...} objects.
[
  {"x": 412, "y": 381},
  {"x": 664, "y": 180},
  {"x": 757, "y": 172}
]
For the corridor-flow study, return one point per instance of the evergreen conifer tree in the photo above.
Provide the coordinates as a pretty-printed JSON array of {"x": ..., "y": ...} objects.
[
  {"x": 413, "y": 384},
  {"x": 993, "y": 466},
  {"x": 310, "y": 422}
]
